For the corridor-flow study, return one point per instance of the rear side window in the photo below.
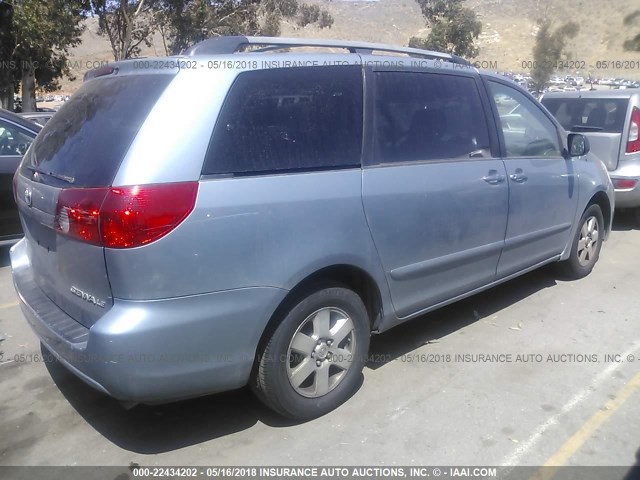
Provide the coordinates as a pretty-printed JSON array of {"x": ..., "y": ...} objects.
[
  {"x": 422, "y": 116},
  {"x": 87, "y": 139},
  {"x": 589, "y": 114},
  {"x": 296, "y": 119}
]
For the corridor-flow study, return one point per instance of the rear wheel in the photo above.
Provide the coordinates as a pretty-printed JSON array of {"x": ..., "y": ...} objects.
[
  {"x": 313, "y": 360},
  {"x": 636, "y": 216},
  {"x": 586, "y": 245}
]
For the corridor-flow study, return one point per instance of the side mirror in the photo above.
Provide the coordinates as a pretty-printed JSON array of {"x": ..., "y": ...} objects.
[{"x": 578, "y": 145}]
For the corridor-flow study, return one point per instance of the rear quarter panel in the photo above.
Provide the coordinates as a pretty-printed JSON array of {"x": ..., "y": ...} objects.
[
  {"x": 172, "y": 142},
  {"x": 262, "y": 231},
  {"x": 267, "y": 231}
]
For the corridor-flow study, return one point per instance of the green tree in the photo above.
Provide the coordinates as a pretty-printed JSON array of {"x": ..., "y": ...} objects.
[
  {"x": 326, "y": 20},
  {"x": 38, "y": 36},
  {"x": 190, "y": 21},
  {"x": 633, "y": 44},
  {"x": 7, "y": 64},
  {"x": 127, "y": 24},
  {"x": 185, "y": 22},
  {"x": 308, "y": 14},
  {"x": 548, "y": 49},
  {"x": 454, "y": 28}
]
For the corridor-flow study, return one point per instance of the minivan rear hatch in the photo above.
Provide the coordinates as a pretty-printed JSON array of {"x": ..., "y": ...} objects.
[
  {"x": 602, "y": 120},
  {"x": 76, "y": 155}
]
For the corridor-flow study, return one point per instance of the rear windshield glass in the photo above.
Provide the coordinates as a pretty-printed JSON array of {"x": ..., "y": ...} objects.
[
  {"x": 589, "y": 114},
  {"x": 85, "y": 142}
]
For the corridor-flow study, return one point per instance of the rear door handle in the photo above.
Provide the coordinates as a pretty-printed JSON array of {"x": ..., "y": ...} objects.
[
  {"x": 494, "y": 178},
  {"x": 519, "y": 177}
]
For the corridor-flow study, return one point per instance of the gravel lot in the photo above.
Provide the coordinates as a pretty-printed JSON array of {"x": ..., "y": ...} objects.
[{"x": 428, "y": 396}]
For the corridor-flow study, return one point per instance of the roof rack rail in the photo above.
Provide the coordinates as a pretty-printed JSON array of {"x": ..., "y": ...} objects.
[{"x": 232, "y": 44}]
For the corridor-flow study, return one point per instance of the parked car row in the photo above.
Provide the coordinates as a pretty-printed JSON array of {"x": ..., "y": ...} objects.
[
  {"x": 574, "y": 81},
  {"x": 41, "y": 115},
  {"x": 570, "y": 83},
  {"x": 17, "y": 105},
  {"x": 17, "y": 108},
  {"x": 618, "y": 82},
  {"x": 53, "y": 98},
  {"x": 289, "y": 214}
]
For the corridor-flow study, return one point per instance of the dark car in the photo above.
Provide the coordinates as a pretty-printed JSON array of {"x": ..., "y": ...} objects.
[
  {"x": 39, "y": 117},
  {"x": 16, "y": 134}
]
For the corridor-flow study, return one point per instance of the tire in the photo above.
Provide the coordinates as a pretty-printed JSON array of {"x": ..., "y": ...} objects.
[
  {"x": 313, "y": 359},
  {"x": 636, "y": 217},
  {"x": 585, "y": 249}
]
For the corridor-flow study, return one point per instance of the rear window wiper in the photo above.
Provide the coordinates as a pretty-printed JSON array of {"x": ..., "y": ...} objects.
[
  {"x": 586, "y": 128},
  {"x": 57, "y": 176}
]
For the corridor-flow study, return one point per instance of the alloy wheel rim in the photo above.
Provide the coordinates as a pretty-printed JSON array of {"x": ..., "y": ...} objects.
[
  {"x": 588, "y": 241},
  {"x": 321, "y": 352}
]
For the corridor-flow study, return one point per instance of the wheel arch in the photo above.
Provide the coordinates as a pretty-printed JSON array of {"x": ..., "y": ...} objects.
[
  {"x": 601, "y": 199},
  {"x": 350, "y": 276}
]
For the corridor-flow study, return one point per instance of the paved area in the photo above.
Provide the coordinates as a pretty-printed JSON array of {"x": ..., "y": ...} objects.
[{"x": 445, "y": 389}]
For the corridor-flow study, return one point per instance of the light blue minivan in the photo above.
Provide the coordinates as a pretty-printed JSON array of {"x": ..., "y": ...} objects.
[{"x": 242, "y": 215}]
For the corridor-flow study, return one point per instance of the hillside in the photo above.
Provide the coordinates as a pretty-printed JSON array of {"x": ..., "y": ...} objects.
[{"x": 507, "y": 40}]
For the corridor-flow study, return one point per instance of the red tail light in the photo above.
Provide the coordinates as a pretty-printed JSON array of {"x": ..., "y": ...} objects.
[
  {"x": 633, "y": 144},
  {"x": 134, "y": 216},
  {"x": 78, "y": 213},
  {"x": 624, "y": 183},
  {"x": 124, "y": 217}
]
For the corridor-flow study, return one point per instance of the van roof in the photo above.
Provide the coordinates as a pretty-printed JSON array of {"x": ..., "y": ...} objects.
[
  {"x": 245, "y": 47},
  {"x": 234, "y": 44}
]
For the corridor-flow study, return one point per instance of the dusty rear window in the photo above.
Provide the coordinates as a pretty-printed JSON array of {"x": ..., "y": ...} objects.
[
  {"x": 87, "y": 139},
  {"x": 303, "y": 118}
]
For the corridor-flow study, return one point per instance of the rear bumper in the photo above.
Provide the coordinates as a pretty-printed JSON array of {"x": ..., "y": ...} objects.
[
  {"x": 630, "y": 197},
  {"x": 153, "y": 351}
]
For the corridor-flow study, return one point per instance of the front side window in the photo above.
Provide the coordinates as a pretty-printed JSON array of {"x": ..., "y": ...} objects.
[
  {"x": 295, "y": 119},
  {"x": 14, "y": 141},
  {"x": 527, "y": 131},
  {"x": 425, "y": 116}
]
